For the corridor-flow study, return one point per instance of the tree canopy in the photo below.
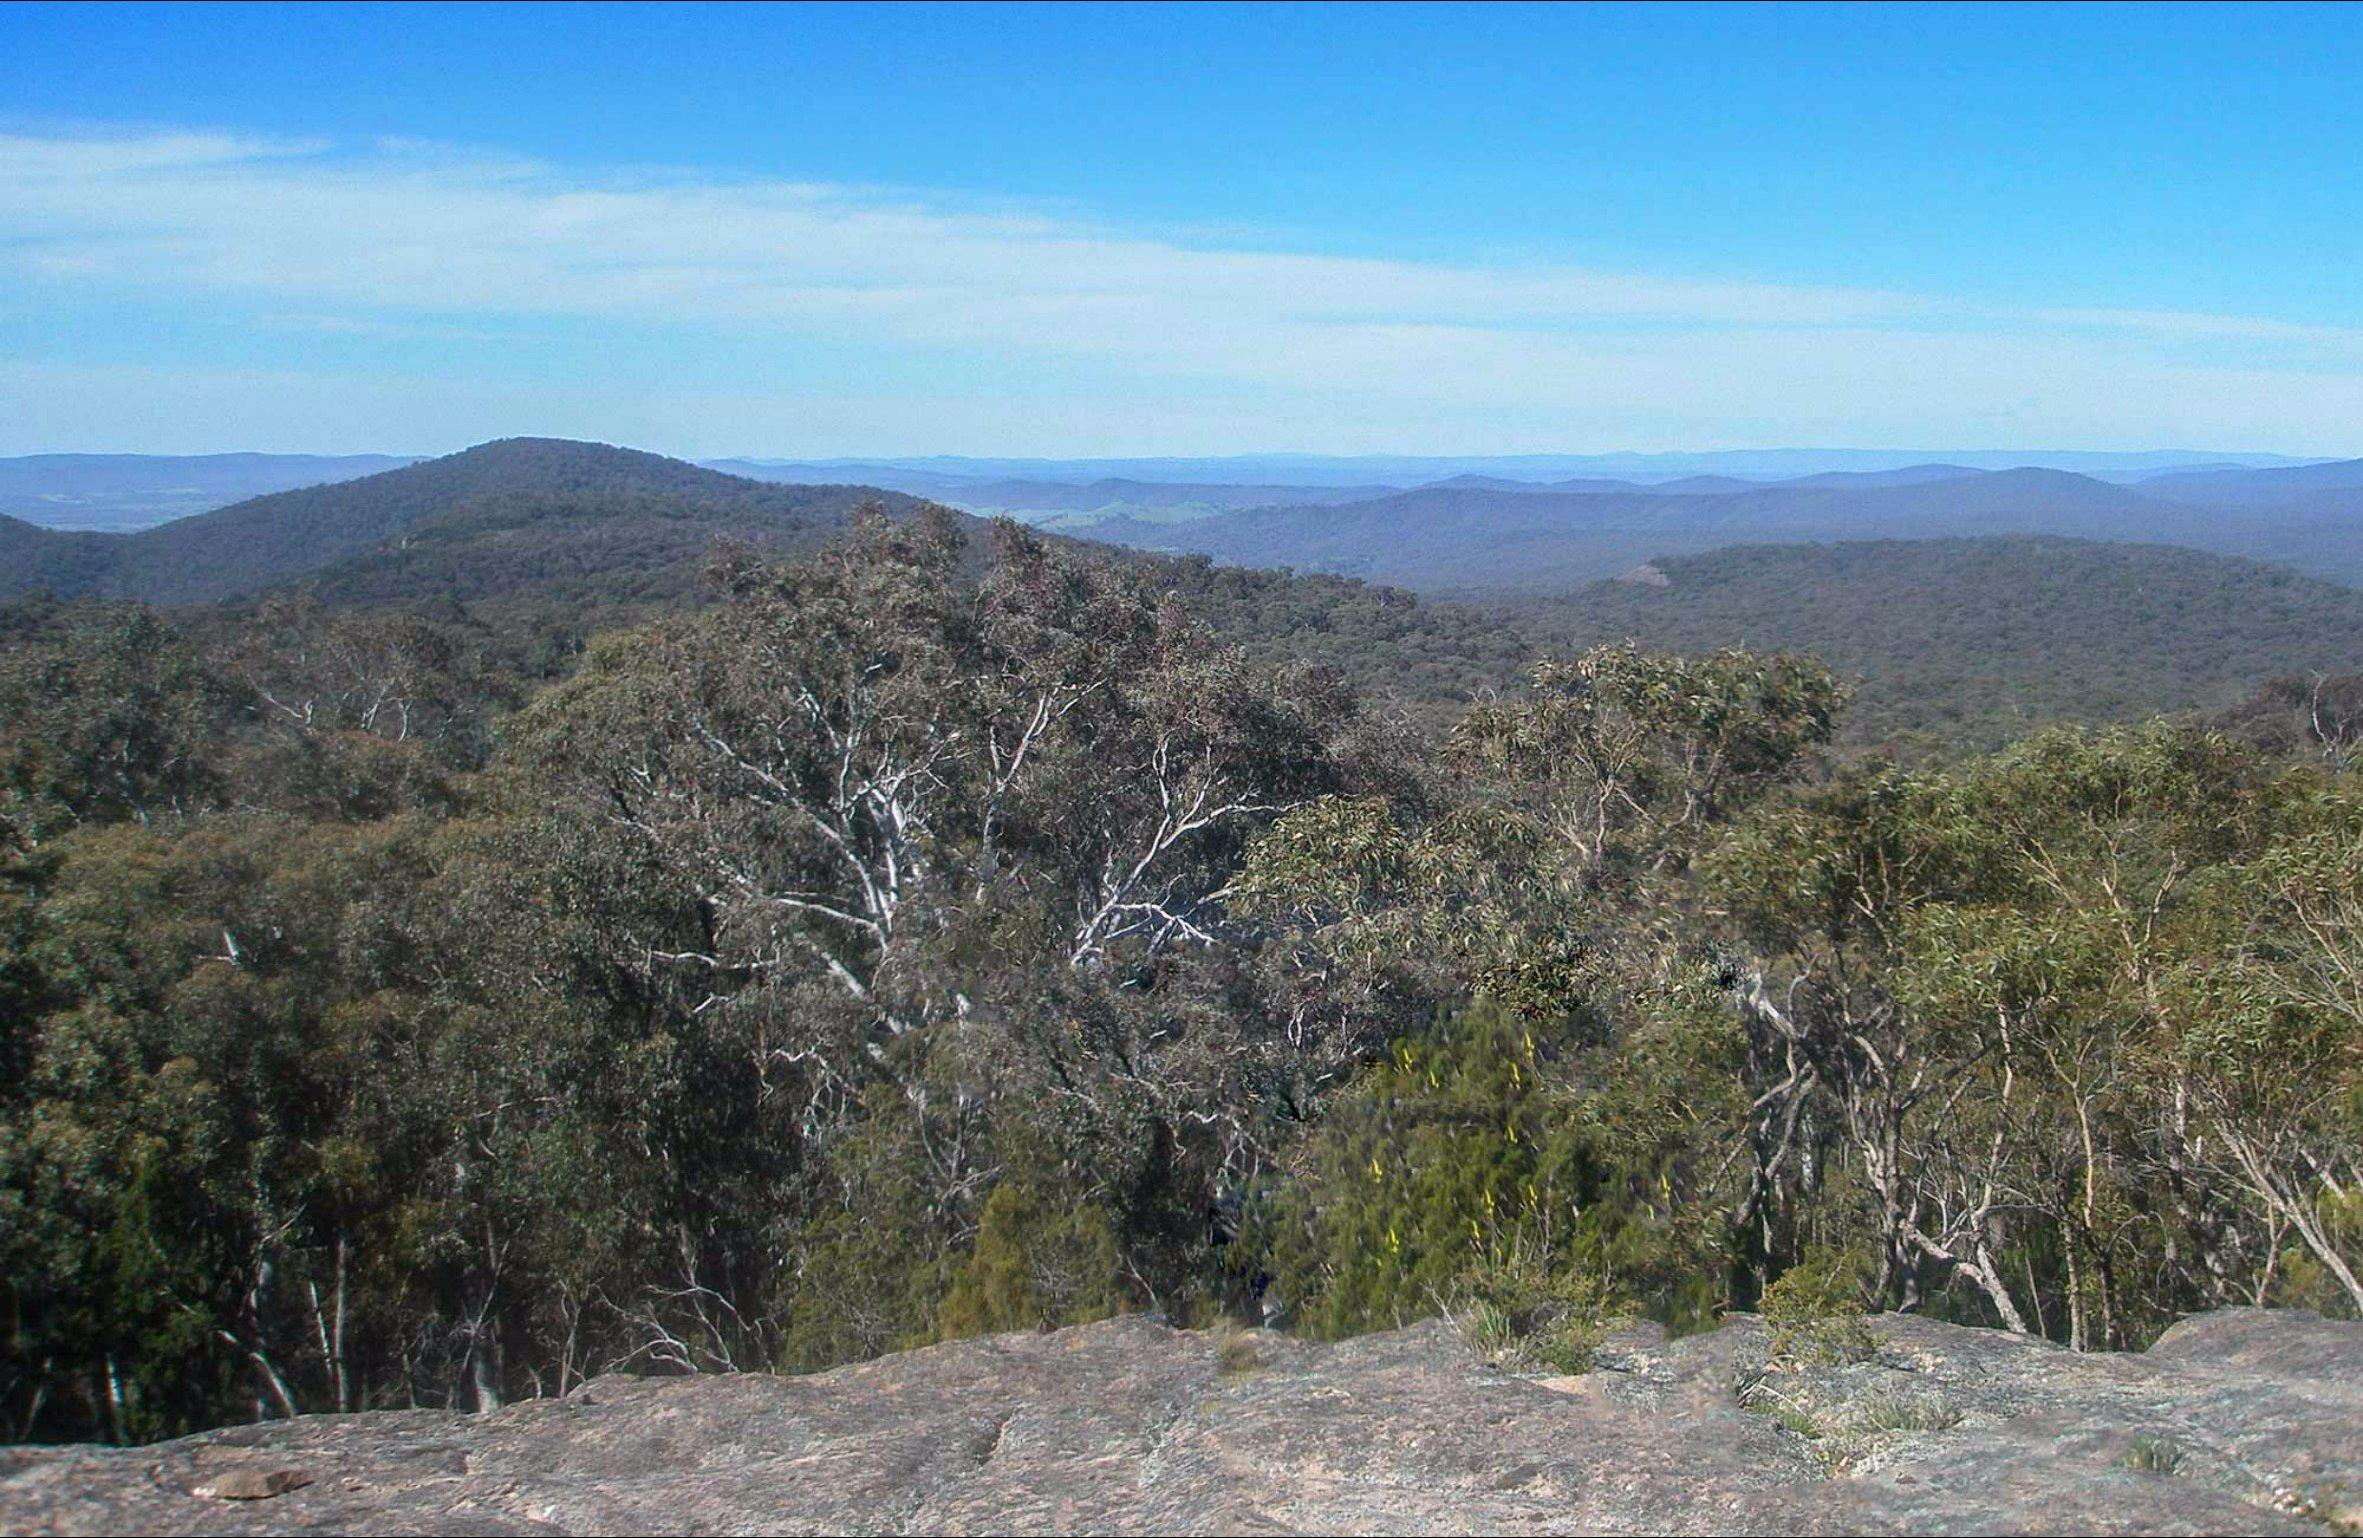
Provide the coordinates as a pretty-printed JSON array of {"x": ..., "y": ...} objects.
[{"x": 914, "y": 940}]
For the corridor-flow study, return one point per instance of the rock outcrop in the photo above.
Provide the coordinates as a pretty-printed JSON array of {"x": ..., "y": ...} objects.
[{"x": 2236, "y": 1422}]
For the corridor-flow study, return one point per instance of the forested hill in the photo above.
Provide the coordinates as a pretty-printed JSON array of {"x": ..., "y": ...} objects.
[
  {"x": 33, "y": 557},
  {"x": 1974, "y": 641},
  {"x": 554, "y": 518}
]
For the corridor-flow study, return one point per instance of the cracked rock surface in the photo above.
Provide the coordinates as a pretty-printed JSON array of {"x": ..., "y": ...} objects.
[{"x": 2236, "y": 1422}]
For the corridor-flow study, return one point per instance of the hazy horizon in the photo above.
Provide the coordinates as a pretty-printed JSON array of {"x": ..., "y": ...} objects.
[
  {"x": 120, "y": 493},
  {"x": 1887, "y": 457}
]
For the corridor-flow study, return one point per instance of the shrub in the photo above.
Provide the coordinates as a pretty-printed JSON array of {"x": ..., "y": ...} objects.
[
  {"x": 1236, "y": 1351},
  {"x": 1034, "y": 1267},
  {"x": 1815, "y": 1308},
  {"x": 1522, "y": 1314}
]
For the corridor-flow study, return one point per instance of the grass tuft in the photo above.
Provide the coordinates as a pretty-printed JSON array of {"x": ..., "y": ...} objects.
[
  {"x": 2154, "y": 1455},
  {"x": 1236, "y": 1352}
]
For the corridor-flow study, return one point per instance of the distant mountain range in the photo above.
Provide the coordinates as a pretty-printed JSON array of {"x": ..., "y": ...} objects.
[
  {"x": 1467, "y": 535},
  {"x": 1957, "y": 638},
  {"x": 131, "y": 491},
  {"x": 1464, "y": 539},
  {"x": 1406, "y": 470},
  {"x": 1066, "y": 505},
  {"x": 2251, "y": 486}
]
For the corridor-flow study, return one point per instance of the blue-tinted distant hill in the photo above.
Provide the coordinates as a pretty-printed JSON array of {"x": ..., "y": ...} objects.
[
  {"x": 118, "y": 492},
  {"x": 946, "y": 471},
  {"x": 1478, "y": 540},
  {"x": 134, "y": 491},
  {"x": 1068, "y": 505},
  {"x": 2250, "y": 486}
]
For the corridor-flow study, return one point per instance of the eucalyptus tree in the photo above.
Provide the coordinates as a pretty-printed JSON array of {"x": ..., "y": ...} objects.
[
  {"x": 1541, "y": 873},
  {"x": 2064, "y": 1026},
  {"x": 107, "y": 713},
  {"x": 1542, "y": 856},
  {"x": 2265, "y": 1045},
  {"x": 899, "y": 839}
]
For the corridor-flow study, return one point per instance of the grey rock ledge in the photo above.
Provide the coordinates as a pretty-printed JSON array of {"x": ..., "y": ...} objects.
[{"x": 2243, "y": 1421}]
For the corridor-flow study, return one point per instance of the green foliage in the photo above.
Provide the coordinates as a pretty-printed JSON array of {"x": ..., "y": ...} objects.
[
  {"x": 1815, "y": 1308},
  {"x": 2079, "y": 940},
  {"x": 108, "y": 714},
  {"x": 1491, "y": 1163},
  {"x": 1621, "y": 758},
  {"x": 680, "y": 1033},
  {"x": 1520, "y": 1314},
  {"x": 1444, "y": 1159},
  {"x": 1393, "y": 650},
  {"x": 1033, "y": 1267},
  {"x": 1526, "y": 879}
]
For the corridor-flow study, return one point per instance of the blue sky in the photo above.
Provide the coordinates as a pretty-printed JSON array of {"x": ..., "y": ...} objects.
[{"x": 824, "y": 230}]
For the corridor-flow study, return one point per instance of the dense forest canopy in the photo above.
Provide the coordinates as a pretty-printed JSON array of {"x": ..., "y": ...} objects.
[
  {"x": 1973, "y": 642},
  {"x": 914, "y": 939}
]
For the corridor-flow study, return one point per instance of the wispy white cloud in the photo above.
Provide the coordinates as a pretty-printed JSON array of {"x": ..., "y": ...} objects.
[
  {"x": 2341, "y": 343},
  {"x": 408, "y": 225},
  {"x": 388, "y": 330},
  {"x": 411, "y": 240}
]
